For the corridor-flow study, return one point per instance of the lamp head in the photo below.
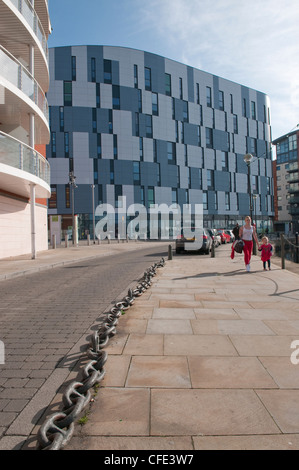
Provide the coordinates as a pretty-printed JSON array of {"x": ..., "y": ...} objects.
[{"x": 247, "y": 158}]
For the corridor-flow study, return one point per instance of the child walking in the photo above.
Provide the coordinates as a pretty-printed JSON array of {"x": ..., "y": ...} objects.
[{"x": 266, "y": 252}]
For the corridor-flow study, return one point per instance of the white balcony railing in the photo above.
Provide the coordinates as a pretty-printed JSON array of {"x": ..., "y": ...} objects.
[
  {"x": 18, "y": 155},
  {"x": 16, "y": 74},
  {"x": 29, "y": 14}
]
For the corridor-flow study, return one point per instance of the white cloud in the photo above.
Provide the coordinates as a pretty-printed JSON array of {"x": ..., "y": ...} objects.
[{"x": 254, "y": 43}]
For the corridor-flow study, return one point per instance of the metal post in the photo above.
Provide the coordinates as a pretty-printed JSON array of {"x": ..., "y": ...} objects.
[
  {"x": 213, "y": 249},
  {"x": 282, "y": 251},
  {"x": 169, "y": 252},
  {"x": 73, "y": 186},
  {"x": 297, "y": 248},
  {"x": 93, "y": 215}
]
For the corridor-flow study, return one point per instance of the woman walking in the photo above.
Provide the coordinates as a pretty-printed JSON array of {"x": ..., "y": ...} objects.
[{"x": 247, "y": 233}]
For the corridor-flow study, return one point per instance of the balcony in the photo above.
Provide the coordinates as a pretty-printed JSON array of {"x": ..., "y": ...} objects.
[
  {"x": 20, "y": 165},
  {"x": 21, "y": 96},
  {"x": 18, "y": 16}
]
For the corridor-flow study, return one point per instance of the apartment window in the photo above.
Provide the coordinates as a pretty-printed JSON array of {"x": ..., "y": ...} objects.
[
  {"x": 115, "y": 149},
  {"x": 155, "y": 108},
  {"x": 216, "y": 201},
  {"x": 141, "y": 149},
  {"x": 174, "y": 196},
  {"x": 93, "y": 70},
  {"x": 181, "y": 88},
  {"x": 209, "y": 138},
  {"x": 142, "y": 196},
  {"x": 136, "y": 173},
  {"x": 94, "y": 120},
  {"x": 110, "y": 124},
  {"x": 95, "y": 171},
  {"x": 148, "y": 78},
  {"x": 111, "y": 171},
  {"x": 253, "y": 111},
  {"x": 98, "y": 95},
  {"x": 99, "y": 145},
  {"x": 200, "y": 178},
  {"x": 197, "y": 93},
  {"x": 155, "y": 150},
  {"x": 107, "y": 71},
  {"x": 224, "y": 161},
  {"x": 53, "y": 199},
  {"x": 148, "y": 126},
  {"x": 209, "y": 96},
  {"x": 221, "y": 100},
  {"x": 244, "y": 113},
  {"x": 116, "y": 97},
  {"x": 150, "y": 196},
  {"x": 118, "y": 192},
  {"x": 53, "y": 144},
  {"x": 74, "y": 68},
  {"x": 135, "y": 76},
  {"x": 140, "y": 101},
  {"x": 231, "y": 104},
  {"x": 210, "y": 179},
  {"x": 205, "y": 200},
  {"x": 61, "y": 118},
  {"x": 171, "y": 153},
  {"x": 235, "y": 123},
  {"x": 185, "y": 111},
  {"x": 67, "y": 93},
  {"x": 198, "y": 136},
  {"x": 227, "y": 201},
  {"x": 168, "y": 84},
  {"x": 186, "y": 154},
  {"x": 136, "y": 124},
  {"x": 66, "y": 145}
]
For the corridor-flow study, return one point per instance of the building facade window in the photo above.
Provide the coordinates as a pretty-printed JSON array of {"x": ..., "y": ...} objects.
[
  {"x": 107, "y": 71},
  {"x": 209, "y": 96},
  {"x": 148, "y": 78},
  {"x": 168, "y": 84},
  {"x": 68, "y": 93}
]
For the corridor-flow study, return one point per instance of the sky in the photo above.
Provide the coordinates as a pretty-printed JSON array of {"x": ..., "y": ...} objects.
[{"x": 254, "y": 43}]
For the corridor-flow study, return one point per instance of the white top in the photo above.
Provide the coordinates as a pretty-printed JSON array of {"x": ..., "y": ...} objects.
[{"x": 247, "y": 233}]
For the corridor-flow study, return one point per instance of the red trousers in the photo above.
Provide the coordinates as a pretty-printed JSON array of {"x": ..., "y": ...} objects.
[{"x": 247, "y": 250}]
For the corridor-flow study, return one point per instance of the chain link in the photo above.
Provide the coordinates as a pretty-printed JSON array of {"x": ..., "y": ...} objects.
[{"x": 58, "y": 428}]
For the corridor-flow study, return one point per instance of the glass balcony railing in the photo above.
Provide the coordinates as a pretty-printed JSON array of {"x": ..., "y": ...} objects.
[
  {"x": 29, "y": 14},
  {"x": 18, "y": 155},
  {"x": 15, "y": 73}
]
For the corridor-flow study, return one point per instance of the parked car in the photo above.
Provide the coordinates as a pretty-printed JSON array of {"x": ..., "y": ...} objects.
[
  {"x": 225, "y": 238},
  {"x": 215, "y": 236},
  {"x": 206, "y": 246},
  {"x": 232, "y": 236}
]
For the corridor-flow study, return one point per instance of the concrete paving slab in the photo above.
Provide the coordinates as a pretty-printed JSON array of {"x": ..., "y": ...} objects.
[
  {"x": 119, "y": 412},
  {"x": 209, "y": 412},
  {"x": 144, "y": 344},
  {"x": 283, "y": 405},
  {"x": 159, "y": 372},
  {"x": 260, "y": 442},
  {"x": 229, "y": 372}
]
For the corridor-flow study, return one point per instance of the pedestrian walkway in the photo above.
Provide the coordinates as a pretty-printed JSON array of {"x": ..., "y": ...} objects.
[
  {"x": 202, "y": 360},
  {"x": 61, "y": 256}
]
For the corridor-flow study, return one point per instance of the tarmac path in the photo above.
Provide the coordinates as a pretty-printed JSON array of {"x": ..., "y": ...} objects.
[{"x": 45, "y": 318}]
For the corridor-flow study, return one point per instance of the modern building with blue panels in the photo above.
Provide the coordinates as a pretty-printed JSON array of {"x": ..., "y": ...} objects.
[{"x": 156, "y": 131}]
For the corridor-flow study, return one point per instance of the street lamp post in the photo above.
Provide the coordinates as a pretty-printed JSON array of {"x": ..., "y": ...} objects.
[
  {"x": 72, "y": 183},
  {"x": 93, "y": 214},
  {"x": 248, "y": 159}
]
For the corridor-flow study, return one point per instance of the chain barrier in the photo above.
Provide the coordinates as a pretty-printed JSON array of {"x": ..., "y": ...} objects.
[{"x": 57, "y": 430}]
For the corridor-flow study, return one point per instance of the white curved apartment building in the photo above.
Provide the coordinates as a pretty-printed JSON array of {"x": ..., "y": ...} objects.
[{"x": 24, "y": 126}]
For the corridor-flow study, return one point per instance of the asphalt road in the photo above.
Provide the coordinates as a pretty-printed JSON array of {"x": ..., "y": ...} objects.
[{"x": 44, "y": 320}]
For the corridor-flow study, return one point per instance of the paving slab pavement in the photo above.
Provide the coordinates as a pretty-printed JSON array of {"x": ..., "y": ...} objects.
[{"x": 202, "y": 361}]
